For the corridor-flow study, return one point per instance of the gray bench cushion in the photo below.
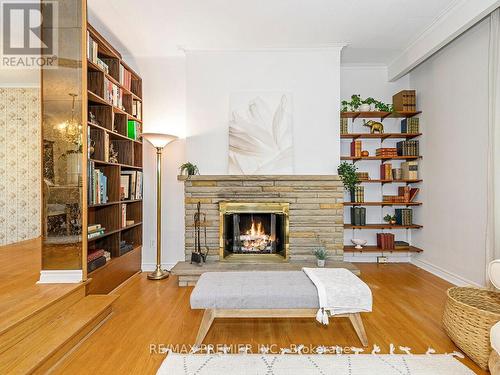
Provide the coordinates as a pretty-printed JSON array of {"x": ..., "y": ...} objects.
[{"x": 255, "y": 290}]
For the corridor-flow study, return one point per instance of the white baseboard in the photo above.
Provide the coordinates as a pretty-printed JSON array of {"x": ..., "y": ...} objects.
[
  {"x": 150, "y": 267},
  {"x": 444, "y": 274},
  {"x": 60, "y": 277}
]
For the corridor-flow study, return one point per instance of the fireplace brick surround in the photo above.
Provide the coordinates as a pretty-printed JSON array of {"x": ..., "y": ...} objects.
[{"x": 316, "y": 209}]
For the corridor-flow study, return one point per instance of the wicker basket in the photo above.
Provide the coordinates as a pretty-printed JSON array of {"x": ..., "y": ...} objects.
[{"x": 468, "y": 316}]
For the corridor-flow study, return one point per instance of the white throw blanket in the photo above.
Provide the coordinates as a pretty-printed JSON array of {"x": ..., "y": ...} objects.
[{"x": 339, "y": 291}]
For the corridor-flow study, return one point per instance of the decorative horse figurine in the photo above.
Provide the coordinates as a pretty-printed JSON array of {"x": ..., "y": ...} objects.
[{"x": 374, "y": 126}]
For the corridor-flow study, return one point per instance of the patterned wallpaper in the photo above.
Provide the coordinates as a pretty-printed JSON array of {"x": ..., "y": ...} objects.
[{"x": 20, "y": 158}]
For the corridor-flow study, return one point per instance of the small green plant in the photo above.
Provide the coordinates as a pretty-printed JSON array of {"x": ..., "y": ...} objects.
[
  {"x": 389, "y": 218},
  {"x": 189, "y": 169},
  {"x": 356, "y": 101},
  {"x": 347, "y": 173},
  {"x": 382, "y": 107},
  {"x": 320, "y": 253},
  {"x": 369, "y": 101}
]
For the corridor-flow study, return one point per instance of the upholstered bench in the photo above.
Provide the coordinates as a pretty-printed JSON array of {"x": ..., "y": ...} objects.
[{"x": 267, "y": 294}]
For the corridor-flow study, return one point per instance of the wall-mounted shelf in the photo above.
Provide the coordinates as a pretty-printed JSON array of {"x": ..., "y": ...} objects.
[
  {"x": 382, "y": 226},
  {"x": 356, "y": 158},
  {"x": 382, "y": 204},
  {"x": 380, "y": 136},
  {"x": 378, "y": 114},
  {"x": 374, "y": 181},
  {"x": 376, "y": 249}
]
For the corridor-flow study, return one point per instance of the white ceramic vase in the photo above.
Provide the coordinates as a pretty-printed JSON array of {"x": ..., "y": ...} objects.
[
  {"x": 364, "y": 108},
  {"x": 321, "y": 262}
]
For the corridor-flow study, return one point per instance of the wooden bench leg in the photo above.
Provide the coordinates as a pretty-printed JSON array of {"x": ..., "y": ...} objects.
[
  {"x": 357, "y": 323},
  {"x": 206, "y": 322}
]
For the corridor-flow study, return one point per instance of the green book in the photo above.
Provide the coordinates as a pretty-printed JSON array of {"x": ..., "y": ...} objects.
[{"x": 131, "y": 129}]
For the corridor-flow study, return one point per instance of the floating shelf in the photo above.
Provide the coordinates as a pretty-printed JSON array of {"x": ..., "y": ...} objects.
[
  {"x": 356, "y": 158},
  {"x": 376, "y": 249},
  {"x": 382, "y": 204},
  {"x": 380, "y": 136},
  {"x": 378, "y": 114},
  {"x": 382, "y": 226},
  {"x": 390, "y": 181}
]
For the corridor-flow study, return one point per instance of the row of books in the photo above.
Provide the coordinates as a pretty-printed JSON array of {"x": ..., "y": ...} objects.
[
  {"x": 408, "y": 148},
  {"x": 358, "y": 195},
  {"x": 131, "y": 185},
  {"x": 410, "y": 125},
  {"x": 95, "y": 230},
  {"x": 343, "y": 126},
  {"x": 356, "y": 149},
  {"x": 134, "y": 129},
  {"x": 113, "y": 94},
  {"x": 406, "y": 194},
  {"x": 404, "y": 216},
  {"x": 92, "y": 49},
  {"x": 97, "y": 258},
  {"x": 385, "y": 241},
  {"x": 386, "y": 171},
  {"x": 405, "y": 101},
  {"x": 125, "y": 77},
  {"x": 137, "y": 109},
  {"x": 363, "y": 176},
  {"x": 98, "y": 185},
  {"x": 358, "y": 216},
  {"x": 386, "y": 152},
  {"x": 409, "y": 170},
  {"x": 125, "y": 221}
]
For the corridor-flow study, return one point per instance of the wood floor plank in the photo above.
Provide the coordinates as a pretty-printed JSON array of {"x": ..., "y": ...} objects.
[{"x": 408, "y": 305}]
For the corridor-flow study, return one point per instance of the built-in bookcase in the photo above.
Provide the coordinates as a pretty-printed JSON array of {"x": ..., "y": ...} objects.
[
  {"x": 114, "y": 209},
  {"x": 376, "y": 186}
]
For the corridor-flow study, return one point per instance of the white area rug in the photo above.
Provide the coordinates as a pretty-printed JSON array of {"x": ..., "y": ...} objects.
[{"x": 360, "y": 364}]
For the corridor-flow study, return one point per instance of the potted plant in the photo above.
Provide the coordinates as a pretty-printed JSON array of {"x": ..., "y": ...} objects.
[
  {"x": 321, "y": 254},
  {"x": 382, "y": 107},
  {"x": 347, "y": 173},
  {"x": 366, "y": 104},
  {"x": 355, "y": 102},
  {"x": 391, "y": 219},
  {"x": 189, "y": 169}
]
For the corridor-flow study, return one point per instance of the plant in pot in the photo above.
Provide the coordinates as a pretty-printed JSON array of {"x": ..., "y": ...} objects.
[
  {"x": 321, "y": 254},
  {"x": 355, "y": 102},
  {"x": 391, "y": 219},
  {"x": 347, "y": 173},
  {"x": 344, "y": 106},
  {"x": 366, "y": 104},
  {"x": 382, "y": 107},
  {"x": 189, "y": 169}
]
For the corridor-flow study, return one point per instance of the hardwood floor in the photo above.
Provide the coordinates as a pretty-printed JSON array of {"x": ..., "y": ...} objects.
[{"x": 408, "y": 304}]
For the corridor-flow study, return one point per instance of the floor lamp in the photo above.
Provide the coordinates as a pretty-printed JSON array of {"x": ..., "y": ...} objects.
[{"x": 159, "y": 141}]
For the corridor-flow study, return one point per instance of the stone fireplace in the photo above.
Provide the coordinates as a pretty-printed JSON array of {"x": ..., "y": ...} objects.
[
  {"x": 311, "y": 207},
  {"x": 253, "y": 230}
]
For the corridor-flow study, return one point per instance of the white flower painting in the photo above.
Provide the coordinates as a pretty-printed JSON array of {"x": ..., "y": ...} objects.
[{"x": 260, "y": 134}]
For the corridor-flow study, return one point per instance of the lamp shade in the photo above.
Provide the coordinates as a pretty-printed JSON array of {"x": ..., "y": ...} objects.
[
  {"x": 494, "y": 272},
  {"x": 159, "y": 140}
]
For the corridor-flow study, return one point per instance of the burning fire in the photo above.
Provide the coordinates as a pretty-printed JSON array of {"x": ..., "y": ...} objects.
[{"x": 255, "y": 239}]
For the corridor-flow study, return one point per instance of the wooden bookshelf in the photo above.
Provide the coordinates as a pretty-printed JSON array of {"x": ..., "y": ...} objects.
[
  {"x": 357, "y": 134},
  {"x": 109, "y": 126}
]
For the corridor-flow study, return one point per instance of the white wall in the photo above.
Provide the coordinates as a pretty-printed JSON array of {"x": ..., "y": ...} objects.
[
  {"x": 310, "y": 75},
  {"x": 452, "y": 91},
  {"x": 164, "y": 111},
  {"x": 371, "y": 81}
]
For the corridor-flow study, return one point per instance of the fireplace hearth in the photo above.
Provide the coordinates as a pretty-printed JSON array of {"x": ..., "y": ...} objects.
[{"x": 253, "y": 231}]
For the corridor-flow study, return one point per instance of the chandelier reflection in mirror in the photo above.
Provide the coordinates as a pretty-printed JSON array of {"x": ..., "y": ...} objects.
[{"x": 71, "y": 130}]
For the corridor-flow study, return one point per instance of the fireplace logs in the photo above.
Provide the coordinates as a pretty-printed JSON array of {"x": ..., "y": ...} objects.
[{"x": 255, "y": 239}]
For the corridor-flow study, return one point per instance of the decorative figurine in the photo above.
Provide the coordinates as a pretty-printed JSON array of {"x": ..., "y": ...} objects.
[
  {"x": 374, "y": 126},
  {"x": 113, "y": 155}
]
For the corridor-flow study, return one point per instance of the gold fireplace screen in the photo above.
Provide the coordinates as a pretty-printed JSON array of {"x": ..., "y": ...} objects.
[{"x": 253, "y": 231}]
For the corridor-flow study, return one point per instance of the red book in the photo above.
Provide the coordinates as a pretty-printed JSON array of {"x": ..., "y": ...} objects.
[
  {"x": 96, "y": 254},
  {"x": 413, "y": 193}
]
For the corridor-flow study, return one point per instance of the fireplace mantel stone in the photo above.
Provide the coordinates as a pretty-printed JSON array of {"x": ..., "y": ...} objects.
[{"x": 316, "y": 208}]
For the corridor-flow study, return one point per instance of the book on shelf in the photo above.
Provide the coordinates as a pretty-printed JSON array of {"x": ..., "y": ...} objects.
[
  {"x": 397, "y": 174},
  {"x": 385, "y": 241},
  {"x": 137, "y": 109},
  {"x": 113, "y": 94},
  {"x": 356, "y": 149},
  {"x": 92, "y": 49},
  {"x": 96, "y": 263},
  {"x": 344, "y": 125},
  {"x": 98, "y": 185},
  {"x": 107, "y": 255},
  {"x": 125, "y": 247},
  {"x": 359, "y": 194},
  {"x": 386, "y": 171},
  {"x": 358, "y": 216},
  {"x": 124, "y": 215},
  {"x": 95, "y": 254},
  {"x": 101, "y": 64},
  {"x": 405, "y": 101},
  {"x": 404, "y": 191},
  {"x": 409, "y": 170},
  {"x": 133, "y": 129},
  {"x": 106, "y": 147},
  {"x": 131, "y": 185},
  {"x": 408, "y": 148},
  {"x": 125, "y": 77},
  {"x": 404, "y": 216},
  {"x": 95, "y": 234},
  {"x": 130, "y": 222},
  {"x": 410, "y": 125},
  {"x": 363, "y": 176},
  {"x": 93, "y": 227},
  {"x": 386, "y": 152}
]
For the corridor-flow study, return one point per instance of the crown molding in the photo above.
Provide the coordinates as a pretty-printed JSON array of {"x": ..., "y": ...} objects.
[
  {"x": 453, "y": 21},
  {"x": 325, "y": 47}
]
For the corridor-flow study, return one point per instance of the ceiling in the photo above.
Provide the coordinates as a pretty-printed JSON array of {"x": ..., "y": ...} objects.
[{"x": 375, "y": 31}]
